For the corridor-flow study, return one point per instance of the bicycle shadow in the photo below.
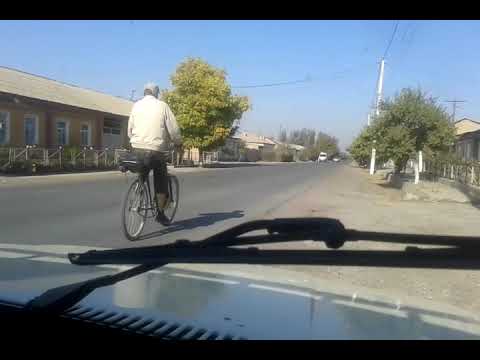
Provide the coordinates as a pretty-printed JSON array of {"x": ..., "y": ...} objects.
[{"x": 205, "y": 219}]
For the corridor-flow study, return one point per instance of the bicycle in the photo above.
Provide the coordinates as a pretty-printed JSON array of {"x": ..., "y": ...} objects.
[{"x": 138, "y": 202}]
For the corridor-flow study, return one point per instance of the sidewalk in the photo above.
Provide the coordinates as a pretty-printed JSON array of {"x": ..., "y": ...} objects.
[{"x": 361, "y": 204}]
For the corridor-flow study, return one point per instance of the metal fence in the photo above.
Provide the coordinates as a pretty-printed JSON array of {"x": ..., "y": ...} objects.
[
  {"x": 465, "y": 173},
  {"x": 37, "y": 159},
  {"x": 58, "y": 158}
]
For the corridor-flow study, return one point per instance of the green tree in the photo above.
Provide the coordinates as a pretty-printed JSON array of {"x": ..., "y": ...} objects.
[
  {"x": 410, "y": 122},
  {"x": 203, "y": 104},
  {"x": 326, "y": 143}
]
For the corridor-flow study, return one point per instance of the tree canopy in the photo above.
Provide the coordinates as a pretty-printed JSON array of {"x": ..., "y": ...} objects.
[
  {"x": 410, "y": 122},
  {"x": 203, "y": 104},
  {"x": 313, "y": 142}
]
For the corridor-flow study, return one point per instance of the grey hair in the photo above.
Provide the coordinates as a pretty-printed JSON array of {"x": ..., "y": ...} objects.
[{"x": 151, "y": 88}]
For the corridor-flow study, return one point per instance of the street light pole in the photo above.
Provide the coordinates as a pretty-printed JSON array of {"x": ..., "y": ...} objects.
[{"x": 377, "y": 110}]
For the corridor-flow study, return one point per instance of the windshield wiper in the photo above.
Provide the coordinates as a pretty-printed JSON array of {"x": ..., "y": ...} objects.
[{"x": 463, "y": 253}]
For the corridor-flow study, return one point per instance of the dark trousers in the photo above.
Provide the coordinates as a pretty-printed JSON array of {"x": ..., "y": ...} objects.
[{"x": 154, "y": 160}]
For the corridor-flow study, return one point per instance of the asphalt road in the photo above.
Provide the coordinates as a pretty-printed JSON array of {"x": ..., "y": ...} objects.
[{"x": 86, "y": 210}]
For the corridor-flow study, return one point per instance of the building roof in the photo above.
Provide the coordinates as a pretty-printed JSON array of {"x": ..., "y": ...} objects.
[
  {"x": 253, "y": 138},
  {"x": 37, "y": 87},
  {"x": 466, "y": 125}
]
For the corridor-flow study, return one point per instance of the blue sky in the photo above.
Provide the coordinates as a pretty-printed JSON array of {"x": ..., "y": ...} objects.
[{"x": 341, "y": 58}]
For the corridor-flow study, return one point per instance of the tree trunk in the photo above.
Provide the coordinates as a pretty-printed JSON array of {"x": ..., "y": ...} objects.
[
  {"x": 417, "y": 173},
  {"x": 200, "y": 157}
]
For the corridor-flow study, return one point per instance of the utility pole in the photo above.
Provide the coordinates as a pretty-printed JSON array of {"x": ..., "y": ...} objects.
[
  {"x": 131, "y": 96},
  {"x": 454, "y": 106},
  {"x": 378, "y": 100}
]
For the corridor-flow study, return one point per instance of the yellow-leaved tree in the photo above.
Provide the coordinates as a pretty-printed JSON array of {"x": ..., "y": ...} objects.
[{"x": 203, "y": 104}]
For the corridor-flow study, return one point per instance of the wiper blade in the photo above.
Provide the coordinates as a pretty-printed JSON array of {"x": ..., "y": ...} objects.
[
  {"x": 216, "y": 249},
  {"x": 61, "y": 298}
]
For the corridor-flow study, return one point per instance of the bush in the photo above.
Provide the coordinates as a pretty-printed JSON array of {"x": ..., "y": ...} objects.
[
  {"x": 270, "y": 156},
  {"x": 279, "y": 154},
  {"x": 286, "y": 157}
]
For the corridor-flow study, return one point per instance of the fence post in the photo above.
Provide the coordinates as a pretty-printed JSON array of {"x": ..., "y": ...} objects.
[
  {"x": 26, "y": 153},
  {"x": 45, "y": 156},
  {"x": 95, "y": 158},
  {"x": 451, "y": 173},
  {"x": 444, "y": 171},
  {"x": 472, "y": 178},
  {"x": 84, "y": 157},
  {"x": 106, "y": 156}
]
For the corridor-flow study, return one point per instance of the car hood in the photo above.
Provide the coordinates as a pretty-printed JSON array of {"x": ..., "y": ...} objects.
[{"x": 243, "y": 301}]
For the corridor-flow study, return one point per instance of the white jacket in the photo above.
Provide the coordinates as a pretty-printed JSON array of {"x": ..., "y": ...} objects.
[{"x": 152, "y": 125}]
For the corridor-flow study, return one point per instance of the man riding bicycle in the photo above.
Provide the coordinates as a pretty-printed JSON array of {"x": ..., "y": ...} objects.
[{"x": 151, "y": 129}]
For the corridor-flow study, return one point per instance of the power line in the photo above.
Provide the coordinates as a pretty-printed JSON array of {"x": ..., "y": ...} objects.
[
  {"x": 273, "y": 84},
  {"x": 391, "y": 39},
  {"x": 335, "y": 75},
  {"x": 454, "y": 106}
]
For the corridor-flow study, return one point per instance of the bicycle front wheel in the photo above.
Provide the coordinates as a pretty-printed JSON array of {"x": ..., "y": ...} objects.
[
  {"x": 173, "y": 197},
  {"x": 134, "y": 211}
]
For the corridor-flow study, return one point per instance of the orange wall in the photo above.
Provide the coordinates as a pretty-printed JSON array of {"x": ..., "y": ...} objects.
[
  {"x": 17, "y": 128},
  {"x": 48, "y": 113}
]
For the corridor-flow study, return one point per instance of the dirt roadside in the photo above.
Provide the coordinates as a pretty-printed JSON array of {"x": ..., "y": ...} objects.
[{"x": 362, "y": 204}]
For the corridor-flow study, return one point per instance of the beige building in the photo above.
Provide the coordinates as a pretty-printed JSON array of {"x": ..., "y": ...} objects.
[
  {"x": 35, "y": 110},
  {"x": 256, "y": 142},
  {"x": 466, "y": 125},
  {"x": 468, "y": 139}
]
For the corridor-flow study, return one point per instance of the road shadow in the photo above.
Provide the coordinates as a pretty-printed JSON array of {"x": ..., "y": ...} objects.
[
  {"x": 202, "y": 220},
  {"x": 472, "y": 194}
]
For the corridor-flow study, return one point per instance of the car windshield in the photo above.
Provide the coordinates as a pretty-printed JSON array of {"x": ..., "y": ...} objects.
[{"x": 127, "y": 134}]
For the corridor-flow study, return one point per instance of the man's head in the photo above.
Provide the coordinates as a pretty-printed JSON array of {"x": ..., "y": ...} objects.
[{"x": 151, "y": 89}]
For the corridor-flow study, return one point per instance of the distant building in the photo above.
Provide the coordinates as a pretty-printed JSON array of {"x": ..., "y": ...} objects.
[
  {"x": 257, "y": 142},
  {"x": 468, "y": 139},
  {"x": 35, "y": 110}
]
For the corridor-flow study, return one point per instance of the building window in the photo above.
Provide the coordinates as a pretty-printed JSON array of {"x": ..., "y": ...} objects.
[
  {"x": 62, "y": 132},
  {"x": 85, "y": 134},
  {"x": 4, "y": 127},
  {"x": 111, "y": 126},
  {"x": 112, "y": 130},
  {"x": 31, "y": 129}
]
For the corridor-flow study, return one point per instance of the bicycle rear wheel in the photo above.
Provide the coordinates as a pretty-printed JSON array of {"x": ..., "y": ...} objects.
[
  {"x": 173, "y": 196},
  {"x": 134, "y": 212}
]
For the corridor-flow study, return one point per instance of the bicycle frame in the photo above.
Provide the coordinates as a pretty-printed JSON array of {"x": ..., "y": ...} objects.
[{"x": 152, "y": 205}]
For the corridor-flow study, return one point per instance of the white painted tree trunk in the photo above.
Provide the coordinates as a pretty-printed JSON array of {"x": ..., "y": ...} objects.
[
  {"x": 372, "y": 161},
  {"x": 420, "y": 161},
  {"x": 417, "y": 173}
]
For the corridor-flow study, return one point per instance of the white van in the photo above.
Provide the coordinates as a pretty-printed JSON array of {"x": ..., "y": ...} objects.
[{"x": 322, "y": 157}]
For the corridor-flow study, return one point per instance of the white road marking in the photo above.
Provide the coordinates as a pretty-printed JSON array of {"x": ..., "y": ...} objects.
[
  {"x": 53, "y": 249},
  {"x": 116, "y": 267},
  {"x": 285, "y": 291},
  {"x": 13, "y": 255},
  {"x": 51, "y": 259},
  {"x": 60, "y": 250},
  {"x": 223, "y": 281},
  {"x": 374, "y": 308}
]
